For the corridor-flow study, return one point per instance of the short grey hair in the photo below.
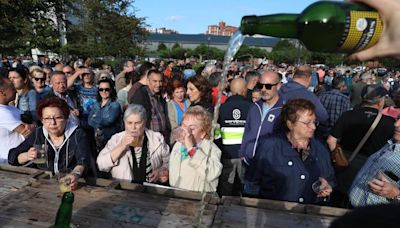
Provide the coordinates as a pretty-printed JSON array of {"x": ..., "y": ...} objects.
[{"x": 135, "y": 109}]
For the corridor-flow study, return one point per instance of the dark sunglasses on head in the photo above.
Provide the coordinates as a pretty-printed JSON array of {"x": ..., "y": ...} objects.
[
  {"x": 104, "y": 89},
  {"x": 40, "y": 79},
  {"x": 267, "y": 86}
]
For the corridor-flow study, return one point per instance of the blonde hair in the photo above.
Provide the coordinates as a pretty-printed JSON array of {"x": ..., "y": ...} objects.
[
  {"x": 38, "y": 73},
  {"x": 203, "y": 116}
]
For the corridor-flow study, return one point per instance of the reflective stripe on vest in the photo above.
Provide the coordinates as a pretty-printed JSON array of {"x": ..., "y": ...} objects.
[{"x": 232, "y": 135}]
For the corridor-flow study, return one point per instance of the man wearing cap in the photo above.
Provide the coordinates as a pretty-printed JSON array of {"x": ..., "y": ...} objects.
[{"x": 351, "y": 127}]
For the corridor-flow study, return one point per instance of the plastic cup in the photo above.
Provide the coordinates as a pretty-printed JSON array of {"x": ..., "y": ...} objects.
[
  {"x": 41, "y": 156},
  {"x": 64, "y": 181},
  {"x": 318, "y": 186}
]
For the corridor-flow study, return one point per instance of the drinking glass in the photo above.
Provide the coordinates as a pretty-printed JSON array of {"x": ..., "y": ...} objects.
[{"x": 41, "y": 156}]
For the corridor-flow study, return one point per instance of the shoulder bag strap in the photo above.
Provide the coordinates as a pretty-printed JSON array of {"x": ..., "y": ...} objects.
[{"x": 366, "y": 136}]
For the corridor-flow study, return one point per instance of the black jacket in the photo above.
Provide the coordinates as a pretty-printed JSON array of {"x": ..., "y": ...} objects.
[
  {"x": 232, "y": 116},
  {"x": 75, "y": 146}
]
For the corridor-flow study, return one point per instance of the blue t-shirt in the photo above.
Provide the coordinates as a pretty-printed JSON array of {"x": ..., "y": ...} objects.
[
  {"x": 87, "y": 97},
  {"x": 265, "y": 110}
]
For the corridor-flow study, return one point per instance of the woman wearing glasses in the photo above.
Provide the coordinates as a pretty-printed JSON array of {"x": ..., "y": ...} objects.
[
  {"x": 67, "y": 145},
  {"x": 105, "y": 114},
  {"x": 38, "y": 78},
  {"x": 288, "y": 164},
  {"x": 25, "y": 99}
]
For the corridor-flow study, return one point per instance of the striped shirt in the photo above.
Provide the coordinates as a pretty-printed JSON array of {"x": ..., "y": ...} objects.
[
  {"x": 386, "y": 159},
  {"x": 138, "y": 155}
]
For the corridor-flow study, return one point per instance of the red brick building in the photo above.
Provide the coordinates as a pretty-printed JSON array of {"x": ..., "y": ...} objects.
[{"x": 221, "y": 29}]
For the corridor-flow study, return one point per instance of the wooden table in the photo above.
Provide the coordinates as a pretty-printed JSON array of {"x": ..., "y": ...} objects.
[{"x": 30, "y": 198}]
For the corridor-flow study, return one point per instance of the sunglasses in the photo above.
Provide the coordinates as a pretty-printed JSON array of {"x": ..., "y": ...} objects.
[
  {"x": 267, "y": 86},
  {"x": 40, "y": 79},
  {"x": 104, "y": 89},
  {"x": 68, "y": 72}
]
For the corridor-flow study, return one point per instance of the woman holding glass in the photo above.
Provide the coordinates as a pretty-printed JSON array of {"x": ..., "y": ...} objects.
[
  {"x": 194, "y": 163},
  {"x": 67, "y": 145},
  {"x": 288, "y": 164},
  {"x": 136, "y": 154}
]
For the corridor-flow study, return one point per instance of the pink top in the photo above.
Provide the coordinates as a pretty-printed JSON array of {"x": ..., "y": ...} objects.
[{"x": 391, "y": 111}]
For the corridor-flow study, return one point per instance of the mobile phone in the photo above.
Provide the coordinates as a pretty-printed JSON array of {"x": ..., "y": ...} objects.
[{"x": 391, "y": 175}]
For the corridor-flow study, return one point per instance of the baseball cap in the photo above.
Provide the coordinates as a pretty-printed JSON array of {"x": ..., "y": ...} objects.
[{"x": 370, "y": 92}]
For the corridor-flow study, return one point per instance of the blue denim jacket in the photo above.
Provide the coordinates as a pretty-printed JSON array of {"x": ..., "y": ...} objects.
[
  {"x": 107, "y": 118},
  {"x": 27, "y": 103}
]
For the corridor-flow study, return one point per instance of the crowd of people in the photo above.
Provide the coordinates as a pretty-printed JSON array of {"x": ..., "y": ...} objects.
[{"x": 278, "y": 126}]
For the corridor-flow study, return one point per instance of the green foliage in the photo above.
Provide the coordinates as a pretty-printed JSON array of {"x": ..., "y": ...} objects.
[
  {"x": 105, "y": 28},
  {"x": 161, "y": 47},
  {"x": 25, "y": 25}
]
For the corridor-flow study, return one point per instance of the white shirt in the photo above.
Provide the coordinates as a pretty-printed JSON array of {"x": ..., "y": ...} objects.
[{"x": 10, "y": 118}]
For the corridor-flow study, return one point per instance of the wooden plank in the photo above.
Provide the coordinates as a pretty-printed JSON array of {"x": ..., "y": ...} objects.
[
  {"x": 284, "y": 206},
  {"x": 116, "y": 207},
  {"x": 17, "y": 169},
  {"x": 241, "y": 216}
]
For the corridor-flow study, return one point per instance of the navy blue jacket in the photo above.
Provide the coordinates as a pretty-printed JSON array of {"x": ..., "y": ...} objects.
[
  {"x": 282, "y": 175},
  {"x": 293, "y": 90},
  {"x": 256, "y": 129}
]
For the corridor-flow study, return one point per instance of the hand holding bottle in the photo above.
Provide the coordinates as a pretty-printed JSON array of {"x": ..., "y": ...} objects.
[{"x": 389, "y": 42}]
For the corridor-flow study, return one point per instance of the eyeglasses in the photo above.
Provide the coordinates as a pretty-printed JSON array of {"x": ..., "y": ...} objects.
[
  {"x": 54, "y": 118},
  {"x": 68, "y": 72},
  {"x": 104, "y": 89},
  {"x": 267, "y": 86},
  {"x": 40, "y": 79},
  {"x": 315, "y": 123}
]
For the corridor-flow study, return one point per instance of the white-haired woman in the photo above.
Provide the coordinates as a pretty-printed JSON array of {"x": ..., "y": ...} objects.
[
  {"x": 136, "y": 154},
  {"x": 195, "y": 159}
]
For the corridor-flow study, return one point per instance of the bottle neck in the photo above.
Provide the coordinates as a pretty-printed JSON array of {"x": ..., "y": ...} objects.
[{"x": 277, "y": 25}]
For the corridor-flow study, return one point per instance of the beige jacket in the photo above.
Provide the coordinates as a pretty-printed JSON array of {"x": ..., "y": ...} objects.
[
  {"x": 122, "y": 169},
  {"x": 189, "y": 174}
]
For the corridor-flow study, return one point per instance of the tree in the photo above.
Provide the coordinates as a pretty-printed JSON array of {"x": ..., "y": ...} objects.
[
  {"x": 105, "y": 28},
  {"x": 161, "y": 47},
  {"x": 28, "y": 24}
]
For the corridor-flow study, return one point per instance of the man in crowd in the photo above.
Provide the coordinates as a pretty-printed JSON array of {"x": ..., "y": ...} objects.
[
  {"x": 351, "y": 127},
  {"x": 232, "y": 119},
  {"x": 12, "y": 130},
  {"x": 366, "y": 79},
  {"x": 143, "y": 70},
  {"x": 262, "y": 120},
  {"x": 58, "y": 83},
  {"x": 251, "y": 79},
  {"x": 128, "y": 67},
  {"x": 150, "y": 98},
  {"x": 377, "y": 181},
  {"x": 297, "y": 88},
  {"x": 335, "y": 102}
]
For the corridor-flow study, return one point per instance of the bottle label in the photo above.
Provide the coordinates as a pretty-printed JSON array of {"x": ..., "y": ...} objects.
[{"x": 362, "y": 30}]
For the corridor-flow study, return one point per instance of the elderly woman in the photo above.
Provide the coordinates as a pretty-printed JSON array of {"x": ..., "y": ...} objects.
[
  {"x": 199, "y": 93},
  {"x": 136, "y": 154},
  {"x": 194, "y": 163},
  {"x": 105, "y": 114},
  {"x": 68, "y": 146},
  {"x": 288, "y": 164},
  {"x": 177, "y": 105},
  {"x": 26, "y": 96}
]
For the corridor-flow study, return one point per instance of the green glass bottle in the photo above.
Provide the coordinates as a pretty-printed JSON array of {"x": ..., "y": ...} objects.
[
  {"x": 64, "y": 213},
  {"x": 324, "y": 26}
]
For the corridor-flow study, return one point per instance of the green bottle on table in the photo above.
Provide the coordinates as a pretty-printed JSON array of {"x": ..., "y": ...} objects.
[
  {"x": 64, "y": 213},
  {"x": 324, "y": 26}
]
